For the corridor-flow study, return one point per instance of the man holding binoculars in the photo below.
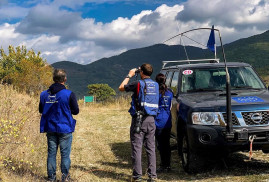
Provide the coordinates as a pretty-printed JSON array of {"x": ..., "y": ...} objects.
[{"x": 144, "y": 107}]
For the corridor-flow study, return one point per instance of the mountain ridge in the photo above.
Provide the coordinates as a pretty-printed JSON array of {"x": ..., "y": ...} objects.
[{"x": 112, "y": 70}]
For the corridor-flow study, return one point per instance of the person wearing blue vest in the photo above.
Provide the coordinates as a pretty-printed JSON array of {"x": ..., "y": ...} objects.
[
  {"x": 144, "y": 107},
  {"x": 57, "y": 104},
  {"x": 164, "y": 124}
]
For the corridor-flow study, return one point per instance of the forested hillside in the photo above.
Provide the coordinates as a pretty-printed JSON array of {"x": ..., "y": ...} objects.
[{"x": 253, "y": 50}]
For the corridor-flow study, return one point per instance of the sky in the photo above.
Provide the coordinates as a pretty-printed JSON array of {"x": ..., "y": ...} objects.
[{"x": 84, "y": 31}]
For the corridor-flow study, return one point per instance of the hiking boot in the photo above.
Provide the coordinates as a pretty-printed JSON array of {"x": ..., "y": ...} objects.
[{"x": 66, "y": 177}]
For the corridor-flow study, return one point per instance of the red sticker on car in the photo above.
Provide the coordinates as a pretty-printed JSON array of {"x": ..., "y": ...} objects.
[{"x": 187, "y": 72}]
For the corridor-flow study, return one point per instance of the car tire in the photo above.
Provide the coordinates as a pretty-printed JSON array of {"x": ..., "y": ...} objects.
[{"x": 191, "y": 162}]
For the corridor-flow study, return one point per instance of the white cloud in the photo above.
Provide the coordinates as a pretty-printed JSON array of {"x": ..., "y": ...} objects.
[
  {"x": 80, "y": 52},
  {"x": 143, "y": 29},
  {"x": 8, "y": 36},
  {"x": 44, "y": 19},
  {"x": 239, "y": 14},
  {"x": 12, "y": 12},
  {"x": 63, "y": 35},
  {"x": 3, "y": 2},
  {"x": 105, "y": 39}
]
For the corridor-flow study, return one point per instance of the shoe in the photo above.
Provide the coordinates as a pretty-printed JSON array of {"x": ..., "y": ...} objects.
[
  {"x": 152, "y": 180},
  {"x": 160, "y": 170},
  {"x": 66, "y": 177},
  {"x": 163, "y": 169},
  {"x": 52, "y": 179}
]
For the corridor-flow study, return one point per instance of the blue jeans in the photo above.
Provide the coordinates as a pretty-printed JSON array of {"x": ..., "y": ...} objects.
[{"x": 65, "y": 141}]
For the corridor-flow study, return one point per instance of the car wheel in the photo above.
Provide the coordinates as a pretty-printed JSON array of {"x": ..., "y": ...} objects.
[{"x": 191, "y": 162}]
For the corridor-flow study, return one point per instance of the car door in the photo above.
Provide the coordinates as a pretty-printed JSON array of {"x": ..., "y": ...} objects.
[{"x": 174, "y": 87}]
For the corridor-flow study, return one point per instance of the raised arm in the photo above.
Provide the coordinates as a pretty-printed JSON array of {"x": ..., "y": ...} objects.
[{"x": 127, "y": 79}]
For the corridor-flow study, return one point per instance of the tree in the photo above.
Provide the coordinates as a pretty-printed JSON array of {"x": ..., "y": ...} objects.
[
  {"x": 25, "y": 70},
  {"x": 102, "y": 92}
]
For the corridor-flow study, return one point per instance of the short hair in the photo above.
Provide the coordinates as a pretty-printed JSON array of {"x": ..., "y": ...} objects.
[
  {"x": 147, "y": 69},
  {"x": 59, "y": 75}
]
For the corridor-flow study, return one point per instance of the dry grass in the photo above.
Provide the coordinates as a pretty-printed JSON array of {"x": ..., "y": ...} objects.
[
  {"x": 101, "y": 149},
  {"x": 21, "y": 155},
  {"x": 266, "y": 79}
]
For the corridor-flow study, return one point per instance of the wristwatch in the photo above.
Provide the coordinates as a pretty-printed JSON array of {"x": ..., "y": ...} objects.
[{"x": 128, "y": 76}]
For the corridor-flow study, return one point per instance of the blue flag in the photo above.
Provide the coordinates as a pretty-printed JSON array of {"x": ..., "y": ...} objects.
[{"x": 211, "y": 40}]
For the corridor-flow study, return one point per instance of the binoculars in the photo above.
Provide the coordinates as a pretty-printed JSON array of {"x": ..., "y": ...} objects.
[{"x": 137, "y": 71}]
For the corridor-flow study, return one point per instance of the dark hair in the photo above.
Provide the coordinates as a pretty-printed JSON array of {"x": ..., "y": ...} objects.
[
  {"x": 147, "y": 69},
  {"x": 59, "y": 76},
  {"x": 161, "y": 79}
]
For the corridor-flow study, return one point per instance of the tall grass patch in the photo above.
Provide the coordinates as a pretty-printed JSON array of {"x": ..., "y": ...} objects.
[{"x": 20, "y": 141}]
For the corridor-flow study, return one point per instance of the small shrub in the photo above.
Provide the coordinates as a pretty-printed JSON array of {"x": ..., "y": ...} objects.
[{"x": 102, "y": 92}]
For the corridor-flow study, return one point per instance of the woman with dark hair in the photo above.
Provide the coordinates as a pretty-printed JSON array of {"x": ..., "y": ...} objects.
[{"x": 164, "y": 124}]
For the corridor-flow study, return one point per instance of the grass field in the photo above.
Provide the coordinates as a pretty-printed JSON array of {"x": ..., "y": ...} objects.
[{"x": 101, "y": 149}]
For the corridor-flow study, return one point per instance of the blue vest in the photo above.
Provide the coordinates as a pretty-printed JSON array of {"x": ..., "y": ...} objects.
[
  {"x": 148, "y": 97},
  {"x": 56, "y": 115},
  {"x": 163, "y": 119}
]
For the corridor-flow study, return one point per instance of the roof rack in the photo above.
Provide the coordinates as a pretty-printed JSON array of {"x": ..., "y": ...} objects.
[{"x": 190, "y": 61}]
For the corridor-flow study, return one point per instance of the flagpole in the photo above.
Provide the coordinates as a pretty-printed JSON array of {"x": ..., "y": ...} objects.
[
  {"x": 229, "y": 126},
  {"x": 215, "y": 51}
]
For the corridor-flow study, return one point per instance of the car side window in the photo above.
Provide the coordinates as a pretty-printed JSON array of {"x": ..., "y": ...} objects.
[
  {"x": 174, "y": 82},
  {"x": 168, "y": 78}
]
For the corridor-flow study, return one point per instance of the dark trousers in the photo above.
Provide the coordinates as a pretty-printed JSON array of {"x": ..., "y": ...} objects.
[
  {"x": 163, "y": 145},
  {"x": 146, "y": 137}
]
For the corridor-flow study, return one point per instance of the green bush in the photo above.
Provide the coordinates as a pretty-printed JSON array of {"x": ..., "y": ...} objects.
[{"x": 102, "y": 92}]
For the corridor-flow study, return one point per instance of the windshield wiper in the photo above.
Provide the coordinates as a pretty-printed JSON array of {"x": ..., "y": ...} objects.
[
  {"x": 204, "y": 90},
  {"x": 246, "y": 87}
]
